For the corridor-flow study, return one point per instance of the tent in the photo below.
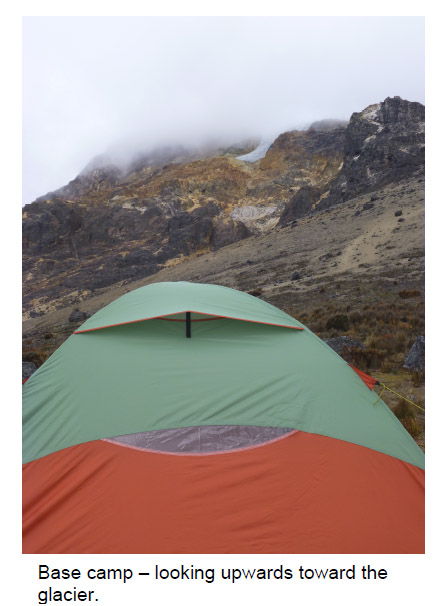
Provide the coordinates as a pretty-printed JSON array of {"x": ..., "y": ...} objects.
[{"x": 194, "y": 418}]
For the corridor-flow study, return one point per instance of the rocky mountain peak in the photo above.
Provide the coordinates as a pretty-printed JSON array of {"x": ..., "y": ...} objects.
[
  {"x": 397, "y": 110},
  {"x": 392, "y": 110},
  {"x": 382, "y": 144},
  {"x": 393, "y": 116}
]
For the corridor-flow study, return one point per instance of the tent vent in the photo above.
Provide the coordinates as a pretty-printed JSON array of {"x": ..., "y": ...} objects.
[{"x": 203, "y": 439}]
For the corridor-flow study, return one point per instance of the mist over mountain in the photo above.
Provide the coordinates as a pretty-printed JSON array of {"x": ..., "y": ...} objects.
[{"x": 123, "y": 85}]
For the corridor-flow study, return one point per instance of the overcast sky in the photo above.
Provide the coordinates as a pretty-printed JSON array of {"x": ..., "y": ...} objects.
[{"x": 97, "y": 83}]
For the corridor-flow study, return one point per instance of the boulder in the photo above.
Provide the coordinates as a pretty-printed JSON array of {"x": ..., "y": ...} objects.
[
  {"x": 28, "y": 368},
  {"x": 415, "y": 360},
  {"x": 78, "y": 316}
]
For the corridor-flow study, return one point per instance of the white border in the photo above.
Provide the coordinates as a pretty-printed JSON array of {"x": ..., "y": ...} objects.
[{"x": 413, "y": 578}]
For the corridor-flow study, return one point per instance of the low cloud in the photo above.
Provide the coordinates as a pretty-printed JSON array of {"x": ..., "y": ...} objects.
[{"x": 119, "y": 84}]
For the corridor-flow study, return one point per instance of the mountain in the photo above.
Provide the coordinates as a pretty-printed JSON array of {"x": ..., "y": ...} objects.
[
  {"x": 109, "y": 225},
  {"x": 113, "y": 225}
]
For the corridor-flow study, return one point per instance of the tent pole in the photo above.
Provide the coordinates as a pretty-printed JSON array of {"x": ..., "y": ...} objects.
[{"x": 188, "y": 324}]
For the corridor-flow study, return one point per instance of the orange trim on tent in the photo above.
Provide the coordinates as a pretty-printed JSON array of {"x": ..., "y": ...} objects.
[
  {"x": 303, "y": 494},
  {"x": 370, "y": 381}
]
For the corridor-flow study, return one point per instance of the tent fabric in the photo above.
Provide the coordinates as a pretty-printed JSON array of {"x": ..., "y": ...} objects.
[
  {"x": 146, "y": 376},
  {"x": 338, "y": 472},
  {"x": 169, "y": 298},
  {"x": 303, "y": 493}
]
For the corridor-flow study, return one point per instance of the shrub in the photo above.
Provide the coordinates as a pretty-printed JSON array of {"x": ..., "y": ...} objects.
[
  {"x": 412, "y": 426},
  {"x": 355, "y": 317},
  {"x": 37, "y": 356},
  {"x": 366, "y": 359},
  {"x": 387, "y": 366},
  {"x": 339, "y": 322},
  {"x": 408, "y": 294},
  {"x": 406, "y": 414},
  {"x": 389, "y": 342},
  {"x": 403, "y": 410},
  {"x": 418, "y": 378}
]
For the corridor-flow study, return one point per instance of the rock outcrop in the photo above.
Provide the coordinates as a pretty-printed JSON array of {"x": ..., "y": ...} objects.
[
  {"x": 78, "y": 316},
  {"x": 415, "y": 360},
  {"x": 306, "y": 198},
  {"x": 28, "y": 368},
  {"x": 382, "y": 144},
  {"x": 299, "y": 158}
]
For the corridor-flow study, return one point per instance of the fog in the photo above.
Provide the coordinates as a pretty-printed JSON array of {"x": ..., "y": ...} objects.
[{"x": 120, "y": 84}]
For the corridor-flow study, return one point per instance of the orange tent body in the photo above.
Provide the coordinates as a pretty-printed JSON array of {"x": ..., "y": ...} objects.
[{"x": 303, "y": 492}]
